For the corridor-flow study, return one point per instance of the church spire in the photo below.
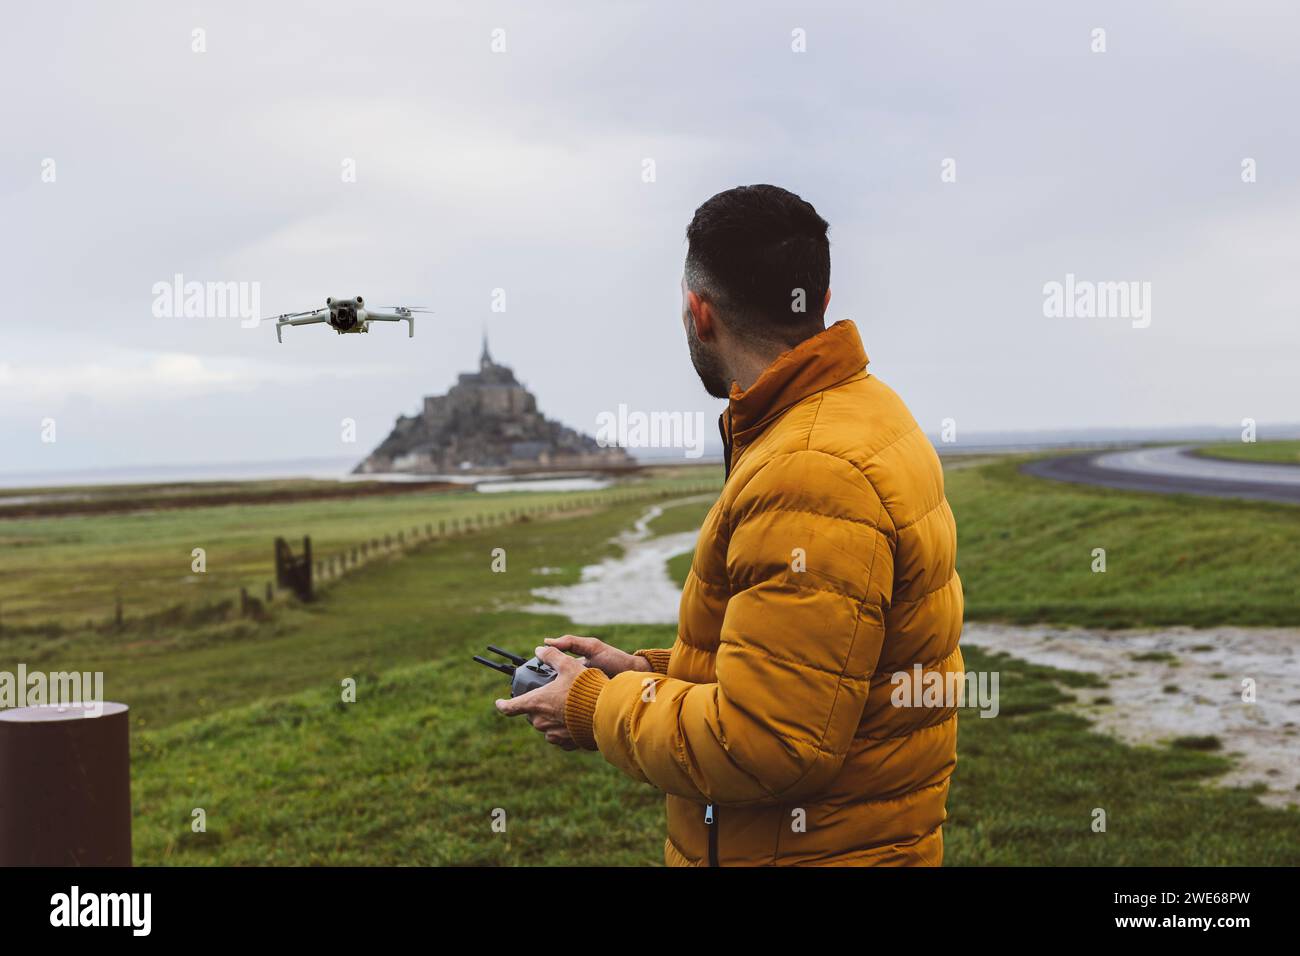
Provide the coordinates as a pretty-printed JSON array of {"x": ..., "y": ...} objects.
[{"x": 486, "y": 358}]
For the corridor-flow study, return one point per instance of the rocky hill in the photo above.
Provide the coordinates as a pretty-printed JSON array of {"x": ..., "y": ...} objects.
[{"x": 487, "y": 422}]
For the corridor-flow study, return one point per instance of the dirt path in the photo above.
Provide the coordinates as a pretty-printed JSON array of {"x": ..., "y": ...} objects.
[{"x": 1162, "y": 684}]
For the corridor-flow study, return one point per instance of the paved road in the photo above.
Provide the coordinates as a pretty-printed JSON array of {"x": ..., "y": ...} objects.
[{"x": 1174, "y": 470}]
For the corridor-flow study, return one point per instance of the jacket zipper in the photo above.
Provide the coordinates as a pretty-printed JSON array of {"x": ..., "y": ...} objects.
[
  {"x": 726, "y": 446},
  {"x": 711, "y": 821},
  {"x": 710, "y": 818}
]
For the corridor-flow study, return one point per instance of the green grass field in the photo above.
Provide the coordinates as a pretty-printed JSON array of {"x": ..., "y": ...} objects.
[
  {"x": 1284, "y": 452},
  {"x": 1025, "y": 553},
  {"x": 245, "y": 719},
  {"x": 413, "y": 771},
  {"x": 68, "y": 571}
]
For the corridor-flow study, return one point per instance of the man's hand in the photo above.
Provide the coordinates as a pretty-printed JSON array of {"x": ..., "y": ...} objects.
[
  {"x": 544, "y": 707},
  {"x": 599, "y": 654}
]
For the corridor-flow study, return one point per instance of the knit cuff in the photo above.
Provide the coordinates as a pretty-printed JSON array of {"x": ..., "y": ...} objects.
[
  {"x": 658, "y": 659},
  {"x": 580, "y": 707}
]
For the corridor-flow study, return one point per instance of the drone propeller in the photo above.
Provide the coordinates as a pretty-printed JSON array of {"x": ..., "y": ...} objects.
[
  {"x": 293, "y": 315},
  {"x": 406, "y": 308}
]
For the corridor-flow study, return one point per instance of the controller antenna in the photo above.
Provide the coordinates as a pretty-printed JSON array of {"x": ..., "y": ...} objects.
[
  {"x": 512, "y": 658},
  {"x": 507, "y": 669}
]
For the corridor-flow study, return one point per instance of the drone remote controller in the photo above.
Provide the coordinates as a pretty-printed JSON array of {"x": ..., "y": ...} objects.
[{"x": 525, "y": 673}]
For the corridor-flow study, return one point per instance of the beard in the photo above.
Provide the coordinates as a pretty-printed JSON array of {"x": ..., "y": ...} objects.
[{"x": 707, "y": 365}]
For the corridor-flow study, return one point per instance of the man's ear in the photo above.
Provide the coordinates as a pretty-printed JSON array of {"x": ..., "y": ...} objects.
[
  {"x": 702, "y": 314},
  {"x": 826, "y": 304}
]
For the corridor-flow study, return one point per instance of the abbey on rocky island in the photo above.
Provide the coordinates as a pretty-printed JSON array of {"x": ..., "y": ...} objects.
[{"x": 487, "y": 422}]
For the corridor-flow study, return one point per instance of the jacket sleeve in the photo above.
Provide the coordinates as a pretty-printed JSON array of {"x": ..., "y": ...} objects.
[
  {"x": 657, "y": 658},
  {"x": 810, "y": 563}
]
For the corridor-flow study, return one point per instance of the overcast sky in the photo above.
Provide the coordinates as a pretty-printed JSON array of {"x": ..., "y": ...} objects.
[{"x": 523, "y": 170}]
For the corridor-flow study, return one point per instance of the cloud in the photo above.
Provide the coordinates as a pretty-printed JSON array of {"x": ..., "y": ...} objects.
[
  {"x": 522, "y": 171},
  {"x": 129, "y": 376}
]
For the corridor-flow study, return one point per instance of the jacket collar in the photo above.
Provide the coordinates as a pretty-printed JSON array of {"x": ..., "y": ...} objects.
[{"x": 813, "y": 365}]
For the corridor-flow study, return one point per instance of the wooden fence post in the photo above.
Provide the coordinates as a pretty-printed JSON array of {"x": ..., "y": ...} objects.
[{"x": 295, "y": 573}]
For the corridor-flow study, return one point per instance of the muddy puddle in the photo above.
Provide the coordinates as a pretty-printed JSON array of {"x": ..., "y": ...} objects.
[{"x": 1162, "y": 684}]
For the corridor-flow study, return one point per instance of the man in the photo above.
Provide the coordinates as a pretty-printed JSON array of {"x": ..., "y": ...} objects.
[{"x": 784, "y": 724}]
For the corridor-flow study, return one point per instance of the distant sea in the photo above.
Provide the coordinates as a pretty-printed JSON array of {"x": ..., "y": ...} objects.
[
  {"x": 320, "y": 469},
  {"x": 338, "y": 469}
]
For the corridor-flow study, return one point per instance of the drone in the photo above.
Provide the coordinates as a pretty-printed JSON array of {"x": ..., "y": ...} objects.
[{"x": 348, "y": 315}]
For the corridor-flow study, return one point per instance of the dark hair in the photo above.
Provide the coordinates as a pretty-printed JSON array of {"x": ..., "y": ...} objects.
[{"x": 749, "y": 250}]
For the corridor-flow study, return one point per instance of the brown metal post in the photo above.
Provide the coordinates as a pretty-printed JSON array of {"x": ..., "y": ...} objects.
[{"x": 65, "y": 786}]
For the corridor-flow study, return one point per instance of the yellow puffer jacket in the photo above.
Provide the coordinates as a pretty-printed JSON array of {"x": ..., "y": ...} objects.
[{"x": 826, "y": 567}]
